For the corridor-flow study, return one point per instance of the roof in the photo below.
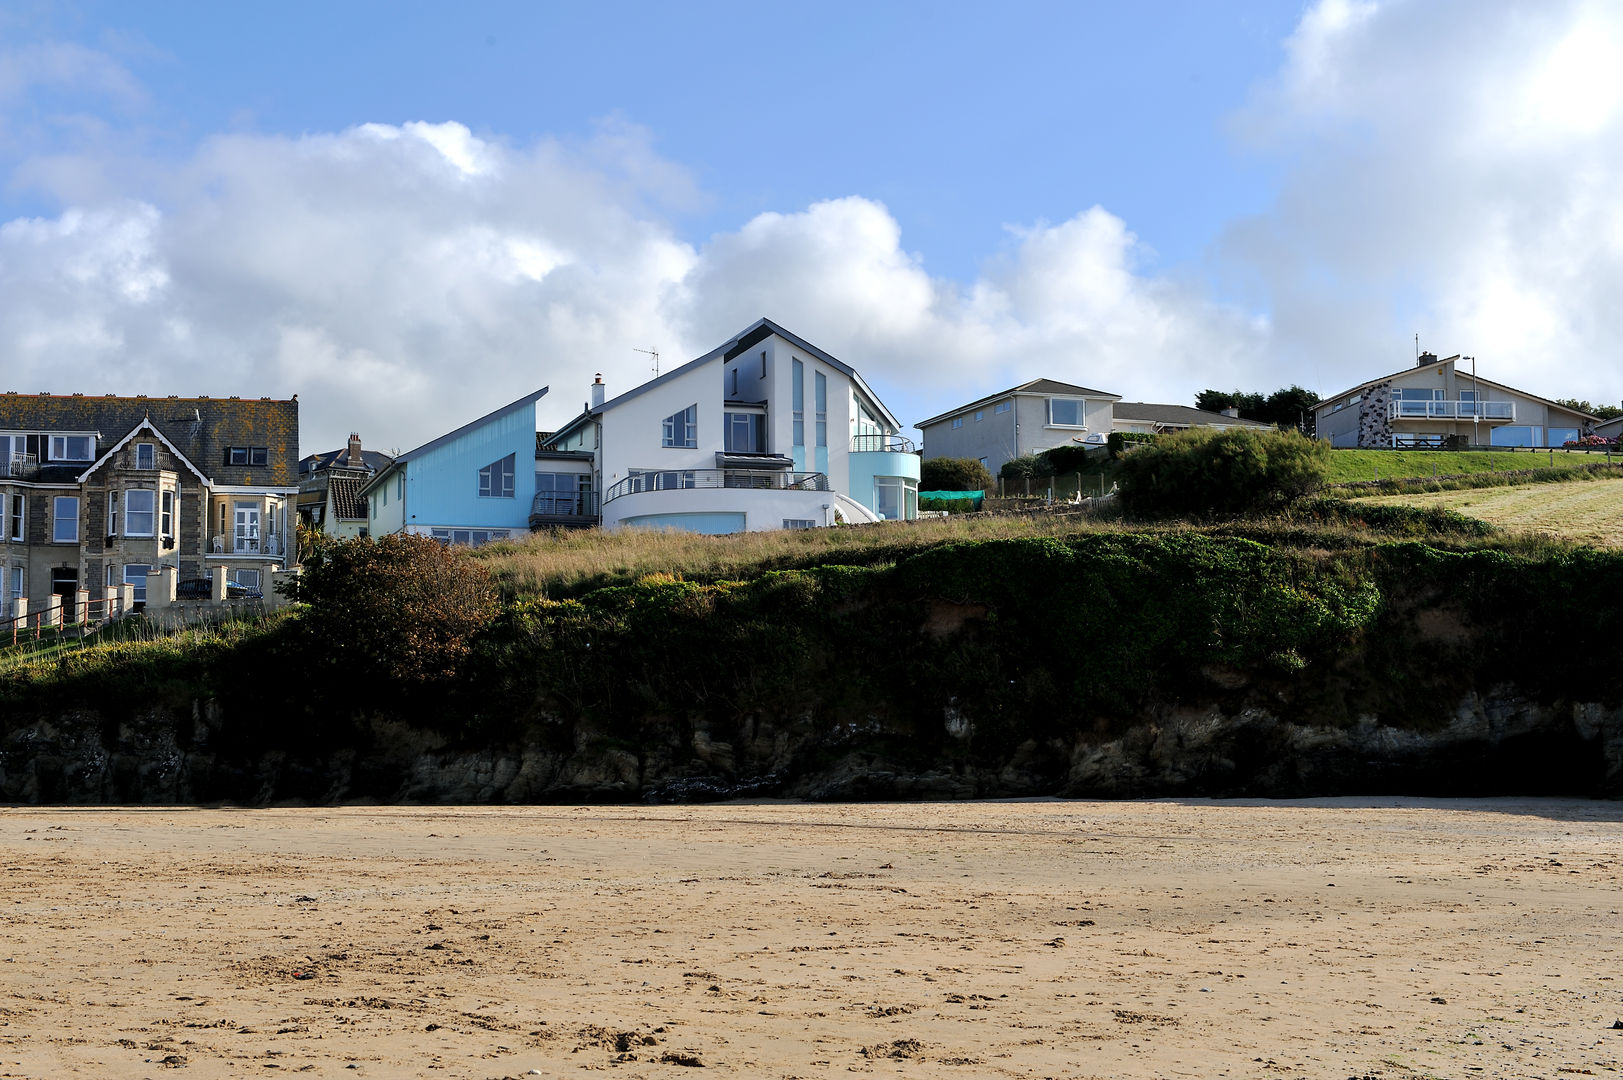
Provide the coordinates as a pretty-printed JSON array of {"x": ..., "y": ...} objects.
[
  {"x": 1333, "y": 398},
  {"x": 435, "y": 444},
  {"x": 345, "y": 491},
  {"x": 755, "y": 332},
  {"x": 371, "y": 460},
  {"x": 1152, "y": 413},
  {"x": 1615, "y": 424},
  {"x": 1040, "y": 387},
  {"x": 201, "y": 429}
]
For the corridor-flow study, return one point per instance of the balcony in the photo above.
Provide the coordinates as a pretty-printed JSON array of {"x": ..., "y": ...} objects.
[
  {"x": 1496, "y": 411},
  {"x": 19, "y": 466},
  {"x": 245, "y": 544},
  {"x": 567, "y": 510},
  {"x": 881, "y": 444},
  {"x": 696, "y": 479}
]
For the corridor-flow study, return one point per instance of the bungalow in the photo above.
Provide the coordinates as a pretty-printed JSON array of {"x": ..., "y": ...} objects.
[
  {"x": 1147, "y": 417},
  {"x": 1026, "y": 419},
  {"x": 1434, "y": 403},
  {"x": 765, "y": 431}
]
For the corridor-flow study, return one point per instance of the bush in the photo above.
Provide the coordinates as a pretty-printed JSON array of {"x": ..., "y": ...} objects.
[
  {"x": 954, "y": 474},
  {"x": 1029, "y": 467},
  {"x": 1066, "y": 458},
  {"x": 1207, "y": 473},
  {"x": 403, "y": 607}
]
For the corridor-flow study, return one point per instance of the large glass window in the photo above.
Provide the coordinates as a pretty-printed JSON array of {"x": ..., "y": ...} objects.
[
  {"x": 468, "y": 537},
  {"x": 1559, "y": 436},
  {"x": 136, "y": 574},
  {"x": 820, "y": 385},
  {"x": 896, "y": 498},
  {"x": 562, "y": 493},
  {"x": 681, "y": 429},
  {"x": 1515, "y": 435},
  {"x": 139, "y": 511},
  {"x": 1067, "y": 412},
  {"x": 797, "y": 393},
  {"x": 496, "y": 479},
  {"x": 746, "y": 433},
  {"x": 65, "y": 519}
]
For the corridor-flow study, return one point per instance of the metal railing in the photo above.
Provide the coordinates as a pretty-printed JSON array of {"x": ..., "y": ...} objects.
[
  {"x": 19, "y": 466},
  {"x": 888, "y": 444},
  {"x": 1451, "y": 410},
  {"x": 692, "y": 479},
  {"x": 564, "y": 504}
]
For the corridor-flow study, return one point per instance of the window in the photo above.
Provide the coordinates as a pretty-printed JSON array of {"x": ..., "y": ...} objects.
[
  {"x": 496, "y": 479},
  {"x": 73, "y": 448},
  {"x": 957, "y": 422},
  {"x": 745, "y": 433},
  {"x": 400, "y": 481},
  {"x": 763, "y": 365},
  {"x": 65, "y": 519},
  {"x": 980, "y": 414},
  {"x": 983, "y": 462},
  {"x": 146, "y": 456},
  {"x": 734, "y": 390},
  {"x": 797, "y": 393},
  {"x": 468, "y": 537},
  {"x": 247, "y": 455},
  {"x": 682, "y": 429},
  {"x": 1066, "y": 412},
  {"x": 168, "y": 524},
  {"x": 799, "y": 523},
  {"x": 18, "y": 582},
  {"x": 112, "y": 514},
  {"x": 18, "y": 502},
  {"x": 247, "y": 578},
  {"x": 1002, "y": 407},
  {"x": 112, "y": 576},
  {"x": 136, "y": 574},
  {"x": 138, "y": 511},
  {"x": 893, "y": 495},
  {"x": 562, "y": 493},
  {"x": 820, "y": 385}
]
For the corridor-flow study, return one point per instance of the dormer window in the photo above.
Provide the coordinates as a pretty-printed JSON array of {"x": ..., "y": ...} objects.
[
  {"x": 247, "y": 455},
  {"x": 73, "y": 448},
  {"x": 146, "y": 456}
]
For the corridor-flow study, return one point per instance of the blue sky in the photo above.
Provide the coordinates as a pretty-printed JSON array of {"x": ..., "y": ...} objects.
[{"x": 1149, "y": 198}]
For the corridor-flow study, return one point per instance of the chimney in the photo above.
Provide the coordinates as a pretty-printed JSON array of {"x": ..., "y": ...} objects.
[
  {"x": 597, "y": 390},
  {"x": 354, "y": 459},
  {"x": 1232, "y": 410},
  {"x": 1426, "y": 358}
]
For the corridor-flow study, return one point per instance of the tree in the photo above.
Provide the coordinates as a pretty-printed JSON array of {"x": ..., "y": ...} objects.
[
  {"x": 1202, "y": 472},
  {"x": 954, "y": 474},
  {"x": 1605, "y": 412},
  {"x": 1286, "y": 407},
  {"x": 1026, "y": 467},
  {"x": 403, "y": 607}
]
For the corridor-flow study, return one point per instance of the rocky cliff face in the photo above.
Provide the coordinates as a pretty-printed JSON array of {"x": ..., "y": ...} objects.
[{"x": 1499, "y": 743}]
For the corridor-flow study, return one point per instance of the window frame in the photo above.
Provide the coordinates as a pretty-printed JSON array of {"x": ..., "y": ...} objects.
[
  {"x": 499, "y": 479},
  {"x": 57, "y": 518},
  {"x": 957, "y": 422},
  {"x": 166, "y": 514},
  {"x": 140, "y": 584},
  {"x": 1081, "y": 409},
  {"x": 149, "y": 451},
  {"x": 151, "y": 513},
  {"x": 250, "y": 456},
  {"x": 62, "y": 441},
  {"x": 680, "y": 430},
  {"x": 17, "y": 523}
]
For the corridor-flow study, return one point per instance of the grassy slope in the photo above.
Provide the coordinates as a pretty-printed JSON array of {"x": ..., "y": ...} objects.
[
  {"x": 1352, "y": 465},
  {"x": 1586, "y": 513}
]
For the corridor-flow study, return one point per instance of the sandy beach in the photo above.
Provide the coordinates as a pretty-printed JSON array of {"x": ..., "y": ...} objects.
[{"x": 1333, "y": 938}]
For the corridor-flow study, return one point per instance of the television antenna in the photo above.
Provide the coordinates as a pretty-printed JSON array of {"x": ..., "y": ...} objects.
[{"x": 651, "y": 352}]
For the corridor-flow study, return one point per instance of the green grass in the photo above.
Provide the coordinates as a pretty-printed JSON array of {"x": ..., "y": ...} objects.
[{"x": 1351, "y": 466}]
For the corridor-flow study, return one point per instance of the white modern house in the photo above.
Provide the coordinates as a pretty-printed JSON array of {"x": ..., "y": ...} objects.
[{"x": 766, "y": 431}]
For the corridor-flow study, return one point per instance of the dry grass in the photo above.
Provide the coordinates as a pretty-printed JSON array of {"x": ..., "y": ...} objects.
[
  {"x": 1585, "y": 513},
  {"x": 566, "y": 563}
]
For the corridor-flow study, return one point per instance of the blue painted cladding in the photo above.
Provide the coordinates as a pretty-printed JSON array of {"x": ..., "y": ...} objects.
[
  {"x": 442, "y": 486},
  {"x": 867, "y": 464},
  {"x": 714, "y": 524}
]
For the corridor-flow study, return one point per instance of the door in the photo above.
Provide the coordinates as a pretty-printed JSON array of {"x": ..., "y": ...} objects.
[
  {"x": 247, "y": 528},
  {"x": 65, "y": 583}
]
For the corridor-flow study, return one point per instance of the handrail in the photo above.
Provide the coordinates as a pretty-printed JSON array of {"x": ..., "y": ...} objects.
[
  {"x": 890, "y": 444},
  {"x": 564, "y": 504},
  {"x": 1451, "y": 410},
  {"x": 689, "y": 479}
]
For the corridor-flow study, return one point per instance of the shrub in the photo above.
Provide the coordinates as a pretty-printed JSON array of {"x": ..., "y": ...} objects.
[
  {"x": 404, "y": 607},
  {"x": 954, "y": 474},
  {"x": 1207, "y": 473},
  {"x": 1029, "y": 467},
  {"x": 1066, "y": 458}
]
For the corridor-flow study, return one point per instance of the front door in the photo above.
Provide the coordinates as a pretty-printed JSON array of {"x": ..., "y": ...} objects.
[
  {"x": 247, "y": 531},
  {"x": 65, "y": 583}
]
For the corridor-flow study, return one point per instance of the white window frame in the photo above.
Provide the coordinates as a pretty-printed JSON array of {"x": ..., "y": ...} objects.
[
  {"x": 799, "y": 523},
  {"x": 498, "y": 480},
  {"x": 680, "y": 431},
  {"x": 58, "y": 518},
  {"x": 957, "y": 422},
  {"x": 112, "y": 512},
  {"x": 17, "y": 522},
  {"x": 59, "y": 447},
  {"x": 166, "y": 513},
  {"x": 151, "y": 513},
  {"x": 17, "y": 580},
  {"x": 797, "y": 397},
  {"x": 238, "y": 575},
  {"x": 1081, "y": 408},
  {"x": 980, "y": 414},
  {"x": 146, "y": 455}
]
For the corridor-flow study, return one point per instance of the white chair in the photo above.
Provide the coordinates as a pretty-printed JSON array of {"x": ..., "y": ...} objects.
[
  {"x": 219, "y": 545},
  {"x": 273, "y": 545}
]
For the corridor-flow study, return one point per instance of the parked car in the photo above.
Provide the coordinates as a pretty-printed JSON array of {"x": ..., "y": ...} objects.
[{"x": 201, "y": 589}]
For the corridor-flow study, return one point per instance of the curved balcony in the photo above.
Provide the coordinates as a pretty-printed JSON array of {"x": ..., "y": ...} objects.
[
  {"x": 882, "y": 444},
  {"x": 697, "y": 479}
]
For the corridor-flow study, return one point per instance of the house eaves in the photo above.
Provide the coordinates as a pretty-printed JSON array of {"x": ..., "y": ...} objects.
[
  {"x": 145, "y": 425},
  {"x": 1034, "y": 388},
  {"x": 1361, "y": 387}
]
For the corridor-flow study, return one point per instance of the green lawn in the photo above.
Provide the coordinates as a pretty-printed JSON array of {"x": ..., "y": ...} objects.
[
  {"x": 1588, "y": 513},
  {"x": 1351, "y": 465}
]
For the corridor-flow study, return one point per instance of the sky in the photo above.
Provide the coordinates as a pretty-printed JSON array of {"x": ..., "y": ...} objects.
[{"x": 411, "y": 214}]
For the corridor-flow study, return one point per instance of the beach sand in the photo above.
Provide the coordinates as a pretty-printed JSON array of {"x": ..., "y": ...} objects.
[{"x": 1326, "y": 938}]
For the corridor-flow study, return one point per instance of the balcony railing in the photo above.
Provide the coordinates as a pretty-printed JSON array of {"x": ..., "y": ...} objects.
[
  {"x": 1452, "y": 410},
  {"x": 692, "y": 479},
  {"x": 884, "y": 444},
  {"x": 558, "y": 504},
  {"x": 19, "y": 466}
]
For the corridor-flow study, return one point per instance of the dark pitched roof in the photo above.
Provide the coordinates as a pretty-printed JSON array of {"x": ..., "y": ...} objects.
[
  {"x": 345, "y": 490},
  {"x": 371, "y": 460},
  {"x": 1035, "y": 386},
  {"x": 203, "y": 429},
  {"x": 1151, "y": 413}
]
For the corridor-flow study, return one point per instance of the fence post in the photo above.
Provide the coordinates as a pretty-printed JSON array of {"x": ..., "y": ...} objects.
[
  {"x": 161, "y": 587},
  {"x": 19, "y": 615},
  {"x": 81, "y": 608},
  {"x": 52, "y": 615},
  {"x": 217, "y": 584}
]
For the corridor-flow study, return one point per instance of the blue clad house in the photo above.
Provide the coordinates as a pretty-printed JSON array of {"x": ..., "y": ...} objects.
[{"x": 471, "y": 486}]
